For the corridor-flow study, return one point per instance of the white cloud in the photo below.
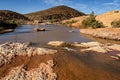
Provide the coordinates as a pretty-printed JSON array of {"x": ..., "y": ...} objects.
[{"x": 114, "y": 3}]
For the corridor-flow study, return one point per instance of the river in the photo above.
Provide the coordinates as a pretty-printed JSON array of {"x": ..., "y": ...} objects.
[{"x": 26, "y": 33}]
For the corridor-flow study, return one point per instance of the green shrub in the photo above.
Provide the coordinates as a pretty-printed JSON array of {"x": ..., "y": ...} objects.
[
  {"x": 53, "y": 20},
  {"x": 69, "y": 23},
  {"x": 116, "y": 24},
  {"x": 7, "y": 25},
  {"x": 73, "y": 21},
  {"x": 91, "y": 22}
]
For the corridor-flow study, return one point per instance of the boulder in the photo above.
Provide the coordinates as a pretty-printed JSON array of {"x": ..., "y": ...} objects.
[
  {"x": 58, "y": 43},
  {"x": 76, "y": 44},
  {"x": 41, "y": 29}
]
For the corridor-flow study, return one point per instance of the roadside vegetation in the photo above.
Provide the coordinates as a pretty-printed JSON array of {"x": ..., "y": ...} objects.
[{"x": 91, "y": 22}]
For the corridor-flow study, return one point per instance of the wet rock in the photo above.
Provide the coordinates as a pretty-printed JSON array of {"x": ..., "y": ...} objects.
[
  {"x": 58, "y": 43},
  {"x": 118, "y": 54},
  {"x": 39, "y": 29},
  {"x": 69, "y": 49},
  {"x": 115, "y": 57},
  {"x": 87, "y": 44},
  {"x": 91, "y": 44},
  {"x": 43, "y": 51},
  {"x": 76, "y": 44},
  {"x": 96, "y": 49},
  {"x": 114, "y": 47}
]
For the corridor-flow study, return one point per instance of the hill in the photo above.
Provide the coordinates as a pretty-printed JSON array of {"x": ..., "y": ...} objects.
[
  {"x": 57, "y": 13},
  {"x": 7, "y": 15},
  {"x": 108, "y": 17}
]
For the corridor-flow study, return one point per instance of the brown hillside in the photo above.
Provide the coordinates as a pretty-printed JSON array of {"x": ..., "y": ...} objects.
[
  {"x": 6, "y": 15},
  {"x": 108, "y": 17},
  {"x": 58, "y": 12}
]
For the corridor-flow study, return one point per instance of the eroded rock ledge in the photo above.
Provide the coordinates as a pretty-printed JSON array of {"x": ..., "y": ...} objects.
[
  {"x": 91, "y": 46},
  {"x": 43, "y": 72},
  {"x": 9, "y": 50}
]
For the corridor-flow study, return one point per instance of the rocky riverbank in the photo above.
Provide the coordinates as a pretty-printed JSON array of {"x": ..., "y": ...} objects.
[
  {"x": 90, "y": 46},
  {"x": 105, "y": 33},
  {"x": 60, "y": 61}
]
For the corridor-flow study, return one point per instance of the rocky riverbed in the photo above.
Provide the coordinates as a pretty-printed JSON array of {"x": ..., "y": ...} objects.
[
  {"x": 106, "y": 33},
  {"x": 60, "y": 61}
]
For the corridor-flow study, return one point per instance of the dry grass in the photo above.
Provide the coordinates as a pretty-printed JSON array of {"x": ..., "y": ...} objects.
[
  {"x": 109, "y": 17},
  {"x": 107, "y": 33}
]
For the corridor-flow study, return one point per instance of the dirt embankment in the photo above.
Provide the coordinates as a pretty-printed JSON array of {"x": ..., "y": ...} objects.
[{"x": 106, "y": 33}]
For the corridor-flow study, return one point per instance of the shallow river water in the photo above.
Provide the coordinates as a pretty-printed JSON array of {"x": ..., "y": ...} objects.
[{"x": 26, "y": 33}]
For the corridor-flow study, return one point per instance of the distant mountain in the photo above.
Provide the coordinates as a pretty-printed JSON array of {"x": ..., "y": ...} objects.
[
  {"x": 7, "y": 15},
  {"x": 55, "y": 13}
]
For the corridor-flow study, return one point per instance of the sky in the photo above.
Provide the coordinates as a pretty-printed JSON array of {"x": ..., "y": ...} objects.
[{"x": 86, "y": 6}]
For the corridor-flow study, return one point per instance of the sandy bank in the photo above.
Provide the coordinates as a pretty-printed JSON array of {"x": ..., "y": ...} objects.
[{"x": 106, "y": 33}]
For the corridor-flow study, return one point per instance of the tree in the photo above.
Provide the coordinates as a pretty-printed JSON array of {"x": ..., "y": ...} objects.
[{"x": 91, "y": 22}]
